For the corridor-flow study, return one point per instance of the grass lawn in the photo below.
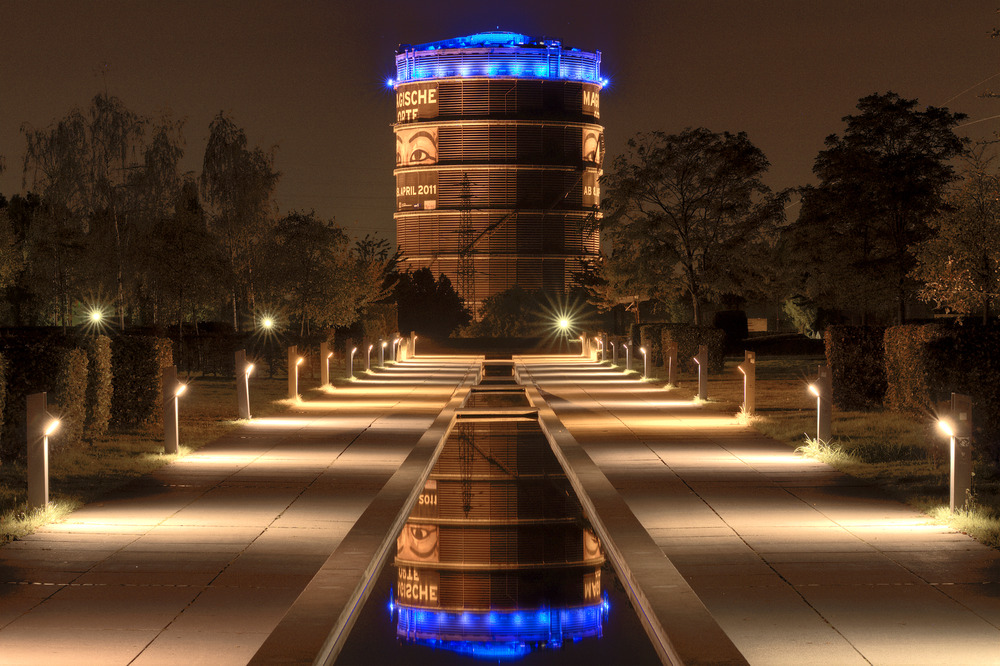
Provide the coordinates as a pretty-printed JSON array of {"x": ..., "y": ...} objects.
[
  {"x": 904, "y": 454},
  {"x": 80, "y": 474}
]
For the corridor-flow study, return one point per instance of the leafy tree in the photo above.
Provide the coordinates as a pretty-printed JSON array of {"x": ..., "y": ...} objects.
[
  {"x": 959, "y": 265},
  {"x": 428, "y": 306},
  {"x": 316, "y": 274},
  {"x": 687, "y": 214},
  {"x": 238, "y": 183},
  {"x": 879, "y": 185},
  {"x": 184, "y": 260},
  {"x": 512, "y": 313}
]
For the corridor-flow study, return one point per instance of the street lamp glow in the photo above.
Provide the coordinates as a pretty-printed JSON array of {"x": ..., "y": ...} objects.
[
  {"x": 51, "y": 427},
  {"x": 563, "y": 323},
  {"x": 96, "y": 316},
  {"x": 267, "y": 323},
  {"x": 814, "y": 390},
  {"x": 181, "y": 388},
  {"x": 945, "y": 427},
  {"x": 299, "y": 360},
  {"x": 249, "y": 369}
]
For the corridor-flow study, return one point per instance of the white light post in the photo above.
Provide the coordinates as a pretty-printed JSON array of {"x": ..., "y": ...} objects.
[
  {"x": 702, "y": 360},
  {"x": 381, "y": 353},
  {"x": 749, "y": 369},
  {"x": 822, "y": 388},
  {"x": 368, "y": 358},
  {"x": 172, "y": 389},
  {"x": 958, "y": 428},
  {"x": 614, "y": 353},
  {"x": 413, "y": 344},
  {"x": 349, "y": 350},
  {"x": 243, "y": 370},
  {"x": 645, "y": 363},
  {"x": 294, "y": 361},
  {"x": 41, "y": 425},
  {"x": 324, "y": 363},
  {"x": 583, "y": 345},
  {"x": 628, "y": 356},
  {"x": 671, "y": 353}
]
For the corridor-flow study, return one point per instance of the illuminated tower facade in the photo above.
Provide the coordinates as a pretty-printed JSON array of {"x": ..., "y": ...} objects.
[{"x": 499, "y": 149}]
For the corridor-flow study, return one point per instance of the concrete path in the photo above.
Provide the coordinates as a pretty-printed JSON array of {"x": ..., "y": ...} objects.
[
  {"x": 197, "y": 563},
  {"x": 798, "y": 563}
]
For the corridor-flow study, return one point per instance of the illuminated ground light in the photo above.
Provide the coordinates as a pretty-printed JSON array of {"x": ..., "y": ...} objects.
[{"x": 500, "y": 635}]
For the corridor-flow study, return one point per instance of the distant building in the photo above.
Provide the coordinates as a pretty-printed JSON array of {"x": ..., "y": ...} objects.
[{"x": 499, "y": 148}]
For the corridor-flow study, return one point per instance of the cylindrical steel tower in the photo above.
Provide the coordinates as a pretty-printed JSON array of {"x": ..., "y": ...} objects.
[{"x": 499, "y": 149}]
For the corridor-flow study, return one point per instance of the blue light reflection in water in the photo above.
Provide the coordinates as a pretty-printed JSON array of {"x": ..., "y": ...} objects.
[{"x": 499, "y": 635}]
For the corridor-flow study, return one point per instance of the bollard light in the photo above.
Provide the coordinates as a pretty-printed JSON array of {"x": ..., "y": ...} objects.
[
  {"x": 628, "y": 356},
  {"x": 41, "y": 425},
  {"x": 645, "y": 363},
  {"x": 294, "y": 361},
  {"x": 957, "y": 426},
  {"x": 600, "y": 348},
  {"x": 381, "y": 354},
  {"x": 702, "y": 361},
  {"x": 243, "y": 371},
  {"x": 583, "y": 344},
  {"x": 614, "y": 353},
  {"x": 749, "y": 369},
  {"x": 350, "y": 362},
  {"x": 395, "y": 348},
  {"x": 324, "y": 363},
  {"x": 414, "y": 350},
  {"x": 671, "y": 360},
  {"x": 822, "y": 389},
  {"x": 368, "y": 358},
  {"x": 172, "y": 390}
]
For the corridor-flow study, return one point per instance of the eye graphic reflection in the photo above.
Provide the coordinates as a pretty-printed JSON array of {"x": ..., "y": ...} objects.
[
  {"x": 591, "y": 146},
  {"x": 417, "y": 542}
]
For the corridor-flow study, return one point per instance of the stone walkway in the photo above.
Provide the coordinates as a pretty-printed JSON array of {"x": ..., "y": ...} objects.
[
  {"x": 798, "y": 563},
  {"x": 197, "y": 563}
]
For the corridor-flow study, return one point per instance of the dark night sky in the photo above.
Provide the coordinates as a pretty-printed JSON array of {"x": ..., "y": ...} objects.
[{"x": 308, "y": 76}]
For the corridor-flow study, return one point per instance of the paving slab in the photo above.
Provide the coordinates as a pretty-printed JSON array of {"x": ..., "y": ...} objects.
[
  {"x": 197, "y": 562},
  {"x": 798, "y": 563}
]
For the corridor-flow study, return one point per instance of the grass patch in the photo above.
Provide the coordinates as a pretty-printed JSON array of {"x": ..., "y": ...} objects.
[
  {"x": 83, "y": 473},
  {"x": 898, "y": 452}
]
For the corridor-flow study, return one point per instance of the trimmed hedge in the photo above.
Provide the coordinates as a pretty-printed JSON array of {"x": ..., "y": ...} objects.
[
  {"x": 3, "y": 395},
  {"x": 856, "y": 355},
  {"x": 99, "y": 386},
  {"x": 925, "y": 364},
  {"x": 650, "y": 337},
  {"x": 688, "y": 338},
  {"x": 69, "y": 396},
  {"x": 42, "y": 361},
  {"x": 136, "y": 363},
  {"x": 908, "y": 378}
]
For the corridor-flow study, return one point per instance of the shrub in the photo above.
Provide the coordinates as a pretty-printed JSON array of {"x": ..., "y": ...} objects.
[
  {"x": 3, "y": 393},
  {"x": 856, "y": 355},
  {"x": 99, "y": 386},
  {"x": 688, "y": 338},
  {"x": 650, "y": 337},
  {"x": 42, "y": 361},
  {"x": 69, "y": 395},
  {"x": 909, "y": 385},
  {"x": 136, "y": 363}
]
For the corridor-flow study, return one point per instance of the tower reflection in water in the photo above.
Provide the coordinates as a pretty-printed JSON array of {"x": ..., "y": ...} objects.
[{"x": 496, "y": 559}]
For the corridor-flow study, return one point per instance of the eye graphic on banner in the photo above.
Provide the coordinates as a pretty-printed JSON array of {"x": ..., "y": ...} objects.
[{"x": 416, "y": 145}]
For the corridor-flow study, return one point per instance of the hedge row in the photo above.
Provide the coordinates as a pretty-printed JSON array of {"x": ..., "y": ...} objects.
[
  {"x": 856, "y": 355},
  {"x": 137, "y": 362},
  {"x": 48, "y": 362},
  {"x": 689, "y": 338},
  {"x": 915, "y": 367},
  {"x": 76, "y": 373}
]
